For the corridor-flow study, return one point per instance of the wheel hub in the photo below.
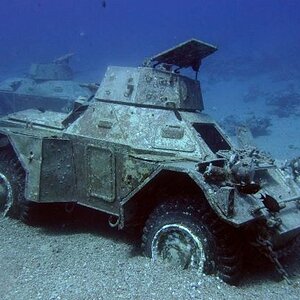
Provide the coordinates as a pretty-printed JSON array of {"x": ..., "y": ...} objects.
[{"x": 177, "y": 245}]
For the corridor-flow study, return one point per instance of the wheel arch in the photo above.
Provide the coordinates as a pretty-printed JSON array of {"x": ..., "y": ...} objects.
[
  {"x": 167, "y": 184},
  {"x": 9, "y": 144},
  {"x": 27, "y": 150},
  {"x": 4, "y": 141}
]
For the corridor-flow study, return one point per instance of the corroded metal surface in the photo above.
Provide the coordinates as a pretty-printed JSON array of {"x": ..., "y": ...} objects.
[{"x": 150, "y": 87}]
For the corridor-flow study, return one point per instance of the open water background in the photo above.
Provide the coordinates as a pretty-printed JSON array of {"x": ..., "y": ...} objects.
[
  {"x": 254, "y": 76},
  {"x": 126, "y": 31}
]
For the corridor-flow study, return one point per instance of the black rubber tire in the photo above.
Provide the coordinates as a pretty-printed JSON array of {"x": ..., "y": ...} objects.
[
  {"x": 14, "y": 176},
  {"x": 220, "y": 242}
]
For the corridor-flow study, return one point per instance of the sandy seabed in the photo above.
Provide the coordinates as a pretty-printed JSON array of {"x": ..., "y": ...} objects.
[{"x": 88, "y": 260}]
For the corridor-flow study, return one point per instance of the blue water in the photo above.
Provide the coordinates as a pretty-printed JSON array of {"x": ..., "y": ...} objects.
[
  {"x": 258, "y": 40},
  {"x": 126, "y": 31}
]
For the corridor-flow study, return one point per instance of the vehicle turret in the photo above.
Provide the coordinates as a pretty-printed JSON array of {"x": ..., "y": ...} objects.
[{"x": 158, "y": 82}]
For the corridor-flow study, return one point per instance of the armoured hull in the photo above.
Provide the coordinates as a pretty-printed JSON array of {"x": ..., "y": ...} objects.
[{"x": 143, "y": 152}]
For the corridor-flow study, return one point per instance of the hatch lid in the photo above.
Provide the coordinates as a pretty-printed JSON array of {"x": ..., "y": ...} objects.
[{"x": 184, "y": 55}]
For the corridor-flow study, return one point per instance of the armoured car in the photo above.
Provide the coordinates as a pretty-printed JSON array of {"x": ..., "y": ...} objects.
[
  {"x": 47, "y": 86},
  {"x": 143, "y": 152}
]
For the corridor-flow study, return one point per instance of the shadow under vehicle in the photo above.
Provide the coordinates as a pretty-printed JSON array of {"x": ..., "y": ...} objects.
[
  {"x": 47, "y": 87},
  {"x": 143, "y": 152}
]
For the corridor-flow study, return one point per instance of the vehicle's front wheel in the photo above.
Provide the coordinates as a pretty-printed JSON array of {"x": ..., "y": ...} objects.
[{"x": 192, "y": 237}]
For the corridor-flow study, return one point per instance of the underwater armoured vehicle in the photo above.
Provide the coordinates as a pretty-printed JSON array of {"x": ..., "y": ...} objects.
[
  {"x": 143, "y": 152},
  {"x": 47, "y": 87}
]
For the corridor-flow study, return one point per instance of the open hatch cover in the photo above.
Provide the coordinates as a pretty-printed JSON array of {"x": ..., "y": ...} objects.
[{"x": 184, "y": 55}]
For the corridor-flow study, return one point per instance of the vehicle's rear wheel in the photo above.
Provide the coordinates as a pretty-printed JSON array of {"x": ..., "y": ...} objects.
[
  {"x": 189, "y": 236},
  {"x": 11, "y": 185}
]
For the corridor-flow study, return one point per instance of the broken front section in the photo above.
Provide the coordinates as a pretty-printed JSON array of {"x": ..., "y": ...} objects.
[{"x": 253, "y": 193}]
